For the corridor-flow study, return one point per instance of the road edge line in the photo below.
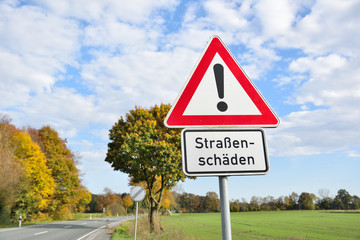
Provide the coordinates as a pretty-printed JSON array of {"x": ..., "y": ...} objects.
[{"x": 91, "y": 232}]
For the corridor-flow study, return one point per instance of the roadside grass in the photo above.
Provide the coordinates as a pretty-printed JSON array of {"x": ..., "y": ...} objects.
[
  {"x": 8, "y": 225},
  {"x": 79, "y": 216},
  {"x": 121, "y": 232},
  {"x": 126, "y": 231},
  {"x": 269, "y": 225}
]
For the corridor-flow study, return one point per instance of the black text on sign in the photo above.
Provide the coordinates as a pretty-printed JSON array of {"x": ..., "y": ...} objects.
[{"x": 214, "y": 152}]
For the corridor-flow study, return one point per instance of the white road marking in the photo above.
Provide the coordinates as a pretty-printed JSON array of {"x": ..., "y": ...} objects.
[
  {"x": 40, "y": 233},
  {"x": 10, "y": 229},
  {"x": 91, "y": 233},
  {"x": 67, "y": 226}
]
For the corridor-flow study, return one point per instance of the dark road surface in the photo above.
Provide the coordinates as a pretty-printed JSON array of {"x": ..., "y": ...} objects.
[{"x": 94, "y": 229}]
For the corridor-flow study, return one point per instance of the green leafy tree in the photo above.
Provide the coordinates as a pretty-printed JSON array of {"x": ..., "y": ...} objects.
[
  {"x": 96, "y": 203},
  {"x": 342, "y": 200},
  {"x": 190, "y": 202},
  {"x": 292, "y": 201},
  {"x": 211, "y": 202},
  {"x": 141, "y": 146},
  {"x": 280, "y": 203},
  {"x": 325, "y": 203},
  {"x": 307, "y": 201},
  {"x": 235, "y": 206},
  {"x": 355, "y": 202},
  {"x": 254, "y": 204}
]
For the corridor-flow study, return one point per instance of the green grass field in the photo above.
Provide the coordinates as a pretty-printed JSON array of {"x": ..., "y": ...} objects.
[{"x": 269, "y": 225}]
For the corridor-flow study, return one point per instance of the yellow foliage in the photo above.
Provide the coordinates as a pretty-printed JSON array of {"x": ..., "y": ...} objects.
[
  {"x": 165, "y": 204},
  {"x": 38, "y": 175},
  {"x": 40, "y": 217},
  {"x": 84, "y": 199},
  {"x": 39, "y": 178},
  {"x": 127, "y": 201}
]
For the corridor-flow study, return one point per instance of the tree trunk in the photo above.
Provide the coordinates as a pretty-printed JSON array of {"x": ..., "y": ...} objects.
[
  {"x": 152, "y": 215},
  {"x": 154, "y": 206}
]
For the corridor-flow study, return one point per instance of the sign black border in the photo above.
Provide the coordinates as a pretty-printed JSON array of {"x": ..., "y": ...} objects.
[{"x": 222, "y": 173}]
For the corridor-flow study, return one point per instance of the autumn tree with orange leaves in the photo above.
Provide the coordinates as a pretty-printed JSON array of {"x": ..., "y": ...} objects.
[
  {"x": 69, "y": 193},
  {"x": 38, "y": 175},
  {"x": 11, "y": 172}
]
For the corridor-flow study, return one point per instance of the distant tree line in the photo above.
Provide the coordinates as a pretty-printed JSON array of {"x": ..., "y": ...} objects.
[
  {"x": 188, "y": 202},
  {"x": 39, "y": 179},
  {"x": 305, "y": 201},
  {"x": 111, "y": 203},
  {"x": 121, "y": 203},
  {"x": 192, "y": 203}
]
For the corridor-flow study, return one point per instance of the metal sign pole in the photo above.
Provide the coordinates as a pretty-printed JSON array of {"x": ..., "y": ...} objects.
[
  {"x": 225, "y": 208},
  {"x": 136, "y": 216},
  {"x": 137, "y": 194}
]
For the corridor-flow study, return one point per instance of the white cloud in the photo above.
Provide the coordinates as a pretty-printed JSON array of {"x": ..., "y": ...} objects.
[
  {"x": 142, "y": 78},
  {"x": 320, "y": 66},
  {"x": 64, "y": 109},
  {"x": 127, "y": 55},
  {"x": 35, "y": 46},
  {"x": 326, "y": 81},
  {"x": 330, "y": 26},
  {"x": 235, "y": 23},
  {"x": 93, "y": 160},
  {"x": 114, "y": 34},
  {"x": 315, "y": 132},
  {"x": 138, "y": 11},
  {"x": 227, "y": 15},
  {"x": 329, "y": 80},
  {"x": 39, "y": 37},
  {"x": 276, "y": 17},
  {"x": 353, "y": 154},
  {"x": 39, "y": 43}
]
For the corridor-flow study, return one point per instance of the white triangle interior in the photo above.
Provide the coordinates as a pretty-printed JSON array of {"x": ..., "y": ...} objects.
[{"x": 205, "y": 99}]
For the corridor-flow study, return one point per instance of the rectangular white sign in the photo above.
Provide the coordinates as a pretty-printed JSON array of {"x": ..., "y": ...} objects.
[{"x": 224, "y": 152}]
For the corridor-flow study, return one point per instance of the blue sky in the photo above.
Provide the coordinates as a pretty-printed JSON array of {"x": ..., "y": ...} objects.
[{"x": 80, "y": 65}]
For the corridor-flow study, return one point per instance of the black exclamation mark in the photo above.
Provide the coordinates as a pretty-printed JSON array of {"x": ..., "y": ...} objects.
[{"x": 219, "y": 78}]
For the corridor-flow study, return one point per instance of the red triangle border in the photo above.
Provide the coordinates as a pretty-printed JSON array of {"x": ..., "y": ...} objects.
[{"x": 175, "y": 117}]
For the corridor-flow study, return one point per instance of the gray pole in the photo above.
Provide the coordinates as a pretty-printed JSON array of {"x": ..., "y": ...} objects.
[
  {"x": 136, "y": 215},
  {"x": 225, "y": 208}
]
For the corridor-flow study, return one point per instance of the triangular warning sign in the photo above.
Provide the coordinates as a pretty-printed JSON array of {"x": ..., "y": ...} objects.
[{"x": 218, "y": 93}]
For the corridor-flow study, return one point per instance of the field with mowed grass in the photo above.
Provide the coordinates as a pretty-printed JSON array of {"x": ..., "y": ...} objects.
[{"x": 269, "y": 225}]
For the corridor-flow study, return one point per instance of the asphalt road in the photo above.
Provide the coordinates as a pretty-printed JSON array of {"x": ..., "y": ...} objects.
[{"x": 90, "y": 229}]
